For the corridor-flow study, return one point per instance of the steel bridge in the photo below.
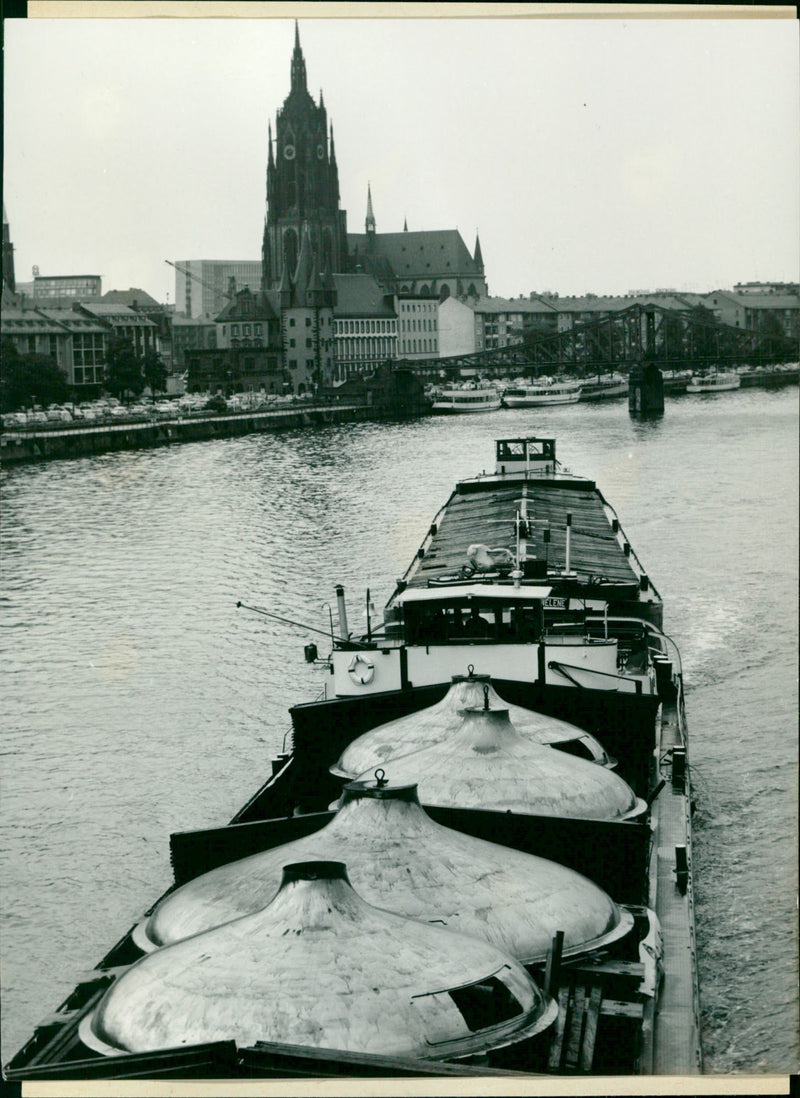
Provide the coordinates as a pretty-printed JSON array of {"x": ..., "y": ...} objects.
[{"x": 671, "y": 338}]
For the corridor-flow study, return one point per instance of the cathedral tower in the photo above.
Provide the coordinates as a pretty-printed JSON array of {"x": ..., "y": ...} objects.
[{"x": 302, "y": 186}]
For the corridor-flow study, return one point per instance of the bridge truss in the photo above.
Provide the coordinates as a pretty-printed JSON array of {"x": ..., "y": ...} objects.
[{"x": 671, "y": 338}]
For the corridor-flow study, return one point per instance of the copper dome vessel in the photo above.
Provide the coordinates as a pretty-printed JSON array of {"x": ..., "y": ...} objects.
[
  {"x": 428, "y": 726},
  {"x": 400, "y": 859},
  {"x": 320, "y": 967},
  {"x": 487, "y": 763}
]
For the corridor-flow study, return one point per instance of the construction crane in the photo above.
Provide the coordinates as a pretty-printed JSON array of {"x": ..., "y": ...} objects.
[{"x": 196, "y": 278}]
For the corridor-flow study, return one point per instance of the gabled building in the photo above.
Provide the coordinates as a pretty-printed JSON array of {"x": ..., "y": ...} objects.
[
  {"x": 246, "y": 352},
  {"x": 306, "y": 302}
]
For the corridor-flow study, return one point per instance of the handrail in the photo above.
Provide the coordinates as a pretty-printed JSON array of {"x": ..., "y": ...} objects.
[{"x": 556, "y": 665}]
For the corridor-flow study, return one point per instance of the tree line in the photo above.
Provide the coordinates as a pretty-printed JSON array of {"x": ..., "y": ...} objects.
[{"x": 31, "y": 379}]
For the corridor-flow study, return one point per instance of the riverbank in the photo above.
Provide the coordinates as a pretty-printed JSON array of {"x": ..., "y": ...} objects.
[
  {"x": 71, "y": 441},
  {"x": 83, "y": 441}
]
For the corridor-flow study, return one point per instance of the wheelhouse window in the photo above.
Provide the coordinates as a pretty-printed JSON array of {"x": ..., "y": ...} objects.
[{"x": 472, "y": 620}]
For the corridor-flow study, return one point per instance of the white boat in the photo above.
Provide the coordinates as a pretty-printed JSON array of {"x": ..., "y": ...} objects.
[
  {"x": 604, "y": 387},
  {"x": 713, "y": 382},
  {"x": 544, "y": 391},
  {"x": 457, "y": 401}
]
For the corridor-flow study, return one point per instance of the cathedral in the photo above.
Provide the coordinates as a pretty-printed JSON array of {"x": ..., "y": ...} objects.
[{"x": 303, "y": 198}]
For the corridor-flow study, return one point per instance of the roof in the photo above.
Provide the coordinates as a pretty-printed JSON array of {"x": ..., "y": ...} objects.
[
  {"x": 18, "y": 321},
  {"x": 360, "y": 295},
  {"x": 133, "y": 296},
  {"x": 767, "y": 301},
  {"x": 434, "y": 254},
  {"x": 513, "y": 305},
  {"x": 261, "y": 308},
  {"x": 119, "y": 313},
  {"x": 74, "y": 321}
]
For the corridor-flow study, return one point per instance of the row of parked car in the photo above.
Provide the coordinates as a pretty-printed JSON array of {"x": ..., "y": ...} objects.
[{"x": 110, "y": 410}]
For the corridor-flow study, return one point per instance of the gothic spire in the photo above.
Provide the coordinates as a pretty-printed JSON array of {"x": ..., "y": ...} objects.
[
  {"x": 298, "y": 63},
  {"x": 405, "y": 224},
  {"x": 333, "y": 150},
  {"x": 370, "y": 221},
  {"x": 478, "y": 256},
  {"x": 271, "y": 159}
]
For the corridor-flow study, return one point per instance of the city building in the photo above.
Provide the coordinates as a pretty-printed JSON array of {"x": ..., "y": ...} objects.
[
  {"x": 76, "y": 343},
  {"x": 201, "y": 285},
  {"x": 34, "y": 333},
  {"x": 769, "y": 313},
  {"x": 417, "y": 326},
  {"x": 122, "y": 321},
  {"x": 84, "y": 360},
  {"x": 307, "y": 303},
  {"x": 502, "y": 322},
  {"x": 766, "y": 288},
  {"x": 191, "y": 334},
  {"x": 365, "y": 326},
  {"x": 456, "y": 328},
  {"x": 66, "y": 288}
]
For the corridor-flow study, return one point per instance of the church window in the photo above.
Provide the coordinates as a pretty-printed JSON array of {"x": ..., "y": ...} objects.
[
  {"x": 234, "y": 329},
  {"x": 308, "y": 322},
  {"x": 291, "y": 322},
  {"x": 257, "y": 329},
  {"x": 247, "y": 329}
]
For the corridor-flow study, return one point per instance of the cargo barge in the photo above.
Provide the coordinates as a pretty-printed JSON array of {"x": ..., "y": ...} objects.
[{"x": 474, "y": 857}]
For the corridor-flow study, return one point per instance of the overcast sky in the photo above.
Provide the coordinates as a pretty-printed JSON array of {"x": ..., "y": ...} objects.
[{"x": 592, "y": 155}]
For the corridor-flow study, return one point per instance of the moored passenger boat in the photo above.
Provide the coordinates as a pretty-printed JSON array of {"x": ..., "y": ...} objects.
[
  {"x": 715, "y": 381},
  {"x": 491, "y": 820},
  {"x": 467, "y": 400},
  {"x": 544, "y": 391},
  {"x": 604, "y": 387}
]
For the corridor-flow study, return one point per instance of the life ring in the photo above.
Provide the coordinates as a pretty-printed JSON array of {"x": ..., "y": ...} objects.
[{"x": 361, "y": 670}]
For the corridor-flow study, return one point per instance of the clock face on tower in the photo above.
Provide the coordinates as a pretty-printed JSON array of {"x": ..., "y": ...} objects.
[
  {"x": 288, "y": 152},
  {"x": 320, "y": 152}
]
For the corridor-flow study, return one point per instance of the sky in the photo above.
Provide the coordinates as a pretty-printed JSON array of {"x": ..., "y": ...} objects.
[{"x": 591, "y": 155}]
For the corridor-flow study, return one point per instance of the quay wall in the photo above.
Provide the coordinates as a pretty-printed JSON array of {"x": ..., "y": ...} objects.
[{"x": 66, "y": 441}]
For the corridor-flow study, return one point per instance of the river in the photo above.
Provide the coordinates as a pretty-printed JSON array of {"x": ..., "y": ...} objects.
[{"x": 138, "y": 700}]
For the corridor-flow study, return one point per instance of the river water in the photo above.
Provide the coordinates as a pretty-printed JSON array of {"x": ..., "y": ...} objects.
[{"x": 138, "y": 700}]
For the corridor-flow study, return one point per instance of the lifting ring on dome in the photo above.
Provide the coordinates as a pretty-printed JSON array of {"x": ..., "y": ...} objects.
[{"x": 361, "y": 669}]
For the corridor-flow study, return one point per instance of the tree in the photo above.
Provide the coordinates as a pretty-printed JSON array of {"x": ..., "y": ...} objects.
[
  {"x": 155, "y": 372},
  {"x": 29, "y": 379},
  {"x": 123, "y": 369}
]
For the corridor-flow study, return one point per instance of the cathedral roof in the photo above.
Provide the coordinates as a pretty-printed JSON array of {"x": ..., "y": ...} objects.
[
  {"x": 434, "y": 254},
  {"x": 360, "y": 295}
]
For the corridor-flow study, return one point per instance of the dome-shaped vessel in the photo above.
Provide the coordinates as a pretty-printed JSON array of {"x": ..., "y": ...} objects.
[
  {"x": 486, "y": 763},
  {"x": 400, "y": 859},
  {"x": 320, "y": 967},
  {"x": 427, "y": 726}
]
